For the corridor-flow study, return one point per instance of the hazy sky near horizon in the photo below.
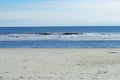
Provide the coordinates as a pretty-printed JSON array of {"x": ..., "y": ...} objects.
[{"x": 59, "y": 12}]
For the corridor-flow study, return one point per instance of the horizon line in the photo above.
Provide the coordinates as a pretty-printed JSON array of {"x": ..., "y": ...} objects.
[{"x": 67, "y": 26}]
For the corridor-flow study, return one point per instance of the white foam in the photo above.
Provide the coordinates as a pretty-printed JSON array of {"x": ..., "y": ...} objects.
[{"x": 74, "y": 37}]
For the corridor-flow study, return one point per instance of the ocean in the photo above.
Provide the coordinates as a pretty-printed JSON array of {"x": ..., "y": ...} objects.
[{"x": 60, "y": 37}]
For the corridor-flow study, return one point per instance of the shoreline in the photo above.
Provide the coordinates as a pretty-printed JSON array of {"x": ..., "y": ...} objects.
[{"x": 60, "y": 48}]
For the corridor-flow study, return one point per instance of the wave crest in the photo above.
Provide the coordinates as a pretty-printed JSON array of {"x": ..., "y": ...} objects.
[{"x": 60, "y": 36}]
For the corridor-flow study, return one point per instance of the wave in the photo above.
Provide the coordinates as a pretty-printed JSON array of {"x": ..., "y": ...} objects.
[{"x": 60, "y": 36}]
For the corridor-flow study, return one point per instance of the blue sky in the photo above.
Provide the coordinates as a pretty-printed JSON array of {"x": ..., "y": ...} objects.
[{"x": 59, "y": 12}]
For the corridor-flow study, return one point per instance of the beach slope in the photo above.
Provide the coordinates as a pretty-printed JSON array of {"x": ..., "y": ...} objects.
[{"x": 60, "y": 64}]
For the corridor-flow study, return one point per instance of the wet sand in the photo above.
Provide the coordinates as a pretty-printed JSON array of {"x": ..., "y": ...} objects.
[{"x": 60, "y": 64}]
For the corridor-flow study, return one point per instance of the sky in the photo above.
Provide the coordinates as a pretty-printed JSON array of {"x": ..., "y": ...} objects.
[{"x": 59, "y": 13}]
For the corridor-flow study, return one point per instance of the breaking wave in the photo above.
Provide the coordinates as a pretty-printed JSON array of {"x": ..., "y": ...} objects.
[{"x": 59, "y": 36}]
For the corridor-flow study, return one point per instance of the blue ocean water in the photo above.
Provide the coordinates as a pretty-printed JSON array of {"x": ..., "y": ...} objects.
[
  {"x": 60, "y": 29},
  {"x": 60, "y": 44}
]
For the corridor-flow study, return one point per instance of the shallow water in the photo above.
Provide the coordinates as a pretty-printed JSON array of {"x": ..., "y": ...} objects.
[{"x": 59, "y": 44}]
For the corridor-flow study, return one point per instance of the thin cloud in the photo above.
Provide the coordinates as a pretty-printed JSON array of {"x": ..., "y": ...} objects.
[{"x": 88, "y": 12}]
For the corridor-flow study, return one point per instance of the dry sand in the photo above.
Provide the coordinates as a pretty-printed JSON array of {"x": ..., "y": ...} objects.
[{"x": 59, "y": 64}]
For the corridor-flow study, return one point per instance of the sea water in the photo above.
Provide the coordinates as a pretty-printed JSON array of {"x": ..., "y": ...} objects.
[{"x": 56, "y": 37}]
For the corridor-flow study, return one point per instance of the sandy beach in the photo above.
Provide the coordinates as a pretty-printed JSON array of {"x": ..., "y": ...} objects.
[{"x": 60, "y": 64}]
